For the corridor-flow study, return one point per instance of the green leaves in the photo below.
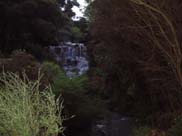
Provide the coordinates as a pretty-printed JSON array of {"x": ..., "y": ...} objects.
[
  {"x": 63, "y": 83},
  {"x": 25, "y": 111},
  {"x": 176, "y": 130},
  {"x": 142, "y": 131}
]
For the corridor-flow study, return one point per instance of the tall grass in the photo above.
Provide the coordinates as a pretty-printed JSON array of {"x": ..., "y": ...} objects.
[{"x": 27, "y": 111}]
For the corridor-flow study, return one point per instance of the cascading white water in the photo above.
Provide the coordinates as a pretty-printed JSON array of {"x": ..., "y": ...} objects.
[{"x": 72, "y": 56}]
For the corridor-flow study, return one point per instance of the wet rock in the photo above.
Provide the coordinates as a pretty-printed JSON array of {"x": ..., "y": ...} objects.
[{"x": 72, "y": 56}]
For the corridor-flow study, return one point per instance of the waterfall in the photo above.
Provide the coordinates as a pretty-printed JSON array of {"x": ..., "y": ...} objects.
[{"x": 72, "y": 56}]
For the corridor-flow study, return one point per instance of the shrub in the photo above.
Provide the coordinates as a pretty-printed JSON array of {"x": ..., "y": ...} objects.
[
  {"x": 20, "y": 61},
  {"x": 142, "y": 131},
  {"x": 176, "y": 129},
  {"x": 77, "y": 35},
  {"x": 25, "y": 111},
  {"x": 60, "y": 81},
  {"x": 78, "y": 99},
  {"x": 133, "y": 42}
]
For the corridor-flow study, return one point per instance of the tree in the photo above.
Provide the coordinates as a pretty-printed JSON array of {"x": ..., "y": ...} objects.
[
  {"x": 139, "y": 44},
  {"x": 28, "y": 23}
]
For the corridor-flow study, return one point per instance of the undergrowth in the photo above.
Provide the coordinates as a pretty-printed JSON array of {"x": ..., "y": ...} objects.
[
  {"x": 141, "y": 131},
  {"x": 26, "y": 111},
  {"x": 61, "y": 82}
]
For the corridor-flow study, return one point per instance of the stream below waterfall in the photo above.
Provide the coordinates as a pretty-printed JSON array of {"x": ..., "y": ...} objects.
[
  {"x": 115, "y": 125},
  {"x": 74, "y": 60}
]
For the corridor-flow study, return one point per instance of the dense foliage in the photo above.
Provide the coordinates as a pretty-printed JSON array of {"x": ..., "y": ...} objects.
[
  {"x": 31, "y": 24},
  {"x": 61, "y": 82},
  {"x": 137, "y": 43},
  {"x": 142, "y": 131},
  {"x": 26, "y": 23},
  {"x": 136, "y": 58},
  {"x": 78, "y": 99},
  {"x": 27, "y": 111},
  {"x": 175, "y": 130}
]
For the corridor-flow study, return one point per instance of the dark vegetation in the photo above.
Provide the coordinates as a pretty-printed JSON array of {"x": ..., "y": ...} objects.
[
  {"x": 137, "y": 43},
  {"x": 27, "y": 28},
  {"x": 135, "y": 55},
  {"x": 34, "y": 24},
  {"x": 29, "y": 23},
  {"x": 27, "y": 111}
]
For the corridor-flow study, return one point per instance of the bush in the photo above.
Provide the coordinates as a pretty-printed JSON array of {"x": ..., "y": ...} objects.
[
  {"x": 20, "y": 61},
  {"x": 176, "y": 129},
  {"x": 60, "y": 81},
  {"x": 142, "y": 131},
  {"x": 78, "y": 99},
  {"x": 25, "y": 111},
  {"x": 74, "y": 90},
  {"x": 77, "y": 35}
]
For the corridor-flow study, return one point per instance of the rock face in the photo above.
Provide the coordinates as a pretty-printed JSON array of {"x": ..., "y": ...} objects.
[
  {"x": 113, "y": 126},
  {"x": 72, "y": 56}
]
